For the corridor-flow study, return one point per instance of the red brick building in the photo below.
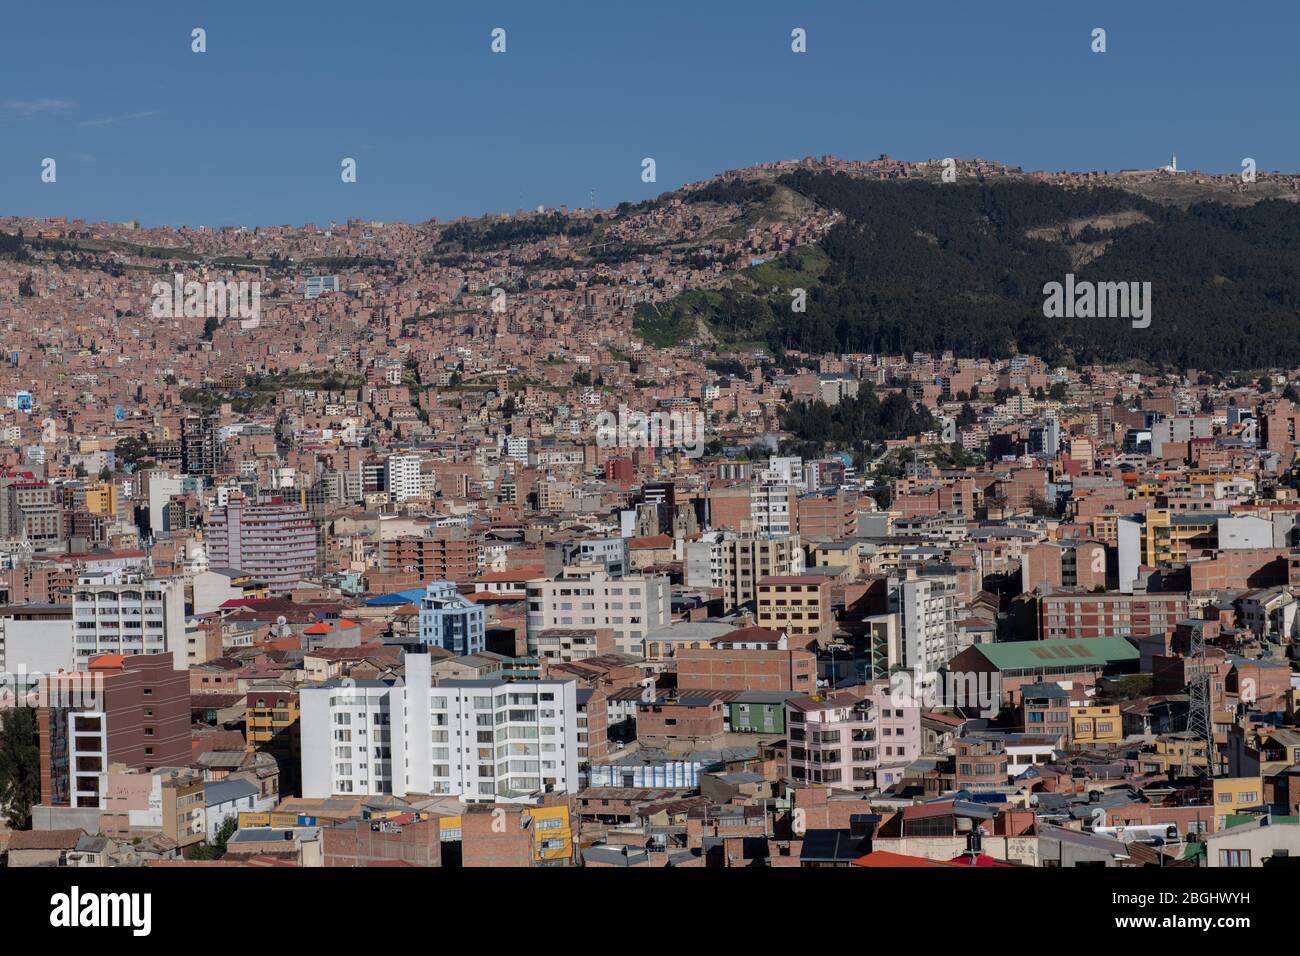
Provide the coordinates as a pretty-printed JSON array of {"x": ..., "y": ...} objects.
[
  {"x": 708, "y": 668},
  {"x": 140, "y": 717}
]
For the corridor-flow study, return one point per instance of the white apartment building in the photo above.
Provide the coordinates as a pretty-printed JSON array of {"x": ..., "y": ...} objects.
[
  {"x": 127, "y": 612},
  {"x": 402, "y": 475},
  {"x": 779, "y": 470},
  {"x": 516, "y": 447},
  {"x": 35, "y": 639},
  {"x": 479, "y": 740},
  {"x": 771, "y": 508},
  {"x": 585, "y": 596},
  {"x": 926, "y": 606}
]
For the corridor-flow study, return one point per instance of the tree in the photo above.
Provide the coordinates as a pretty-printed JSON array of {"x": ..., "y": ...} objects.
[
  {"x": 217, "y": 848},
  {"x": 20, "y": 766},
  {"x": 1040, "y": 506},
  {"x": 132, "y": 449}
]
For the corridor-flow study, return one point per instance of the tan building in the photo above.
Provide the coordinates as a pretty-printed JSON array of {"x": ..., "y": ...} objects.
[
  {"x": 856, "y": 556},
  {"x": 571, "y": 645},
  {"x": 585, "y": 597},
  {"x": 183, "y": 808},
  {"x": 796, "y": 605},
  {"x": 736, "y": 563}
]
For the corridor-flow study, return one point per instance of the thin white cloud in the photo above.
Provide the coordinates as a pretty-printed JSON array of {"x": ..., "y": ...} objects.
[
  {"x": 33, "y": 107},
  {"x": 111, "y": 120}
]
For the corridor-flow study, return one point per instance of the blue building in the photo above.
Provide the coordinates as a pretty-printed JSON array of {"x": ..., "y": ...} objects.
[{"x": 450, "y": 620}]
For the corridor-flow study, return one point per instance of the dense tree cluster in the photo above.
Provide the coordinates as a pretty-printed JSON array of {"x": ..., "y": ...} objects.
[
  {"x": 20, "y": 766},
  {"x": 12, "y": 247},
  {"x": 857, "y": 422},
  {"x": 731, "y": 190},
  {"x": 473, "y": 236}
]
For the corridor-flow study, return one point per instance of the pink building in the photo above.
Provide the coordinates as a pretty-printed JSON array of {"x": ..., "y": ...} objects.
[
  {"x": 851, "y": 741},
  {"x": 272, "y": 540}
]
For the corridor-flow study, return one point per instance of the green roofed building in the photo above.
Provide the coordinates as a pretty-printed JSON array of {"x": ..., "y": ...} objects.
[{"x": 1016, "y": 663}]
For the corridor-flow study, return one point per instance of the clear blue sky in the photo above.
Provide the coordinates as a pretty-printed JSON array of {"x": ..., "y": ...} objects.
[{"x": 254, "y": 130}]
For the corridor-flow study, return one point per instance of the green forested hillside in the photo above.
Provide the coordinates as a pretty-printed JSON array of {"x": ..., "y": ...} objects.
[{"x": 930, "y": 266}]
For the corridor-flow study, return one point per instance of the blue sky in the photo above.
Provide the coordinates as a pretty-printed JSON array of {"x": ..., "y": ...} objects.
[{"x": 253, "y": 131}]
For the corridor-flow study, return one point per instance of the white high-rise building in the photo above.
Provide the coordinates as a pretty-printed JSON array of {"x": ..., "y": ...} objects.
[
  {"x": 771, "y": 508},
  {"x": 479, "y": 740},
  {"x": 927, "y": 610},
  {"x": 127, "y": 612},
  {"x": 402, "y": 473}
]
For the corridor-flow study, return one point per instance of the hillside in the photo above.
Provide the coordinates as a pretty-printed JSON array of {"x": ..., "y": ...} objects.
[{"x": 924, "y": 265}]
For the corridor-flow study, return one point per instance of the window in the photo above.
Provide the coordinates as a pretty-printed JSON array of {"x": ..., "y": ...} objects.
[{"x": 1234, "y": 858}]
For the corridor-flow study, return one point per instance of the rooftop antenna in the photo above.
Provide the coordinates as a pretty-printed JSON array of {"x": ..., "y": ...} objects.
[{"x": 593, "y": 197}]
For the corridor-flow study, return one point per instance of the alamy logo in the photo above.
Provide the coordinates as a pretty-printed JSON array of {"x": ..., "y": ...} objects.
[
  {"x": 218, "y": 299},
  {"x": 969, "y": 691},
  {"x": 634, "y": 429},
  {"x": 76, "y": 690},
  {"x": 1098, "y": 300},
  {"x": 73, "y": 909}
]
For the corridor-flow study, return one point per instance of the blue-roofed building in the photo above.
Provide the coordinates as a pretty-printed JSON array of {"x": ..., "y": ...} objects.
[{"x": 396, "y": 599}]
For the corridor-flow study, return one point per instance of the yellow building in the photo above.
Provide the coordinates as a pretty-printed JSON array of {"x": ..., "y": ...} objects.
[
  {"x": 1098, "y": 724},
  {"x": 102, "y": 499},
  {"x": 1104, "y": 528},
  {"x": 271, "y": 722},
  {"x": 552, "y": 834},
  {"x": 1169, "y": 537},
  {"x": 1234, "y": 795},
  {"x": 1169, "y": 752}
]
